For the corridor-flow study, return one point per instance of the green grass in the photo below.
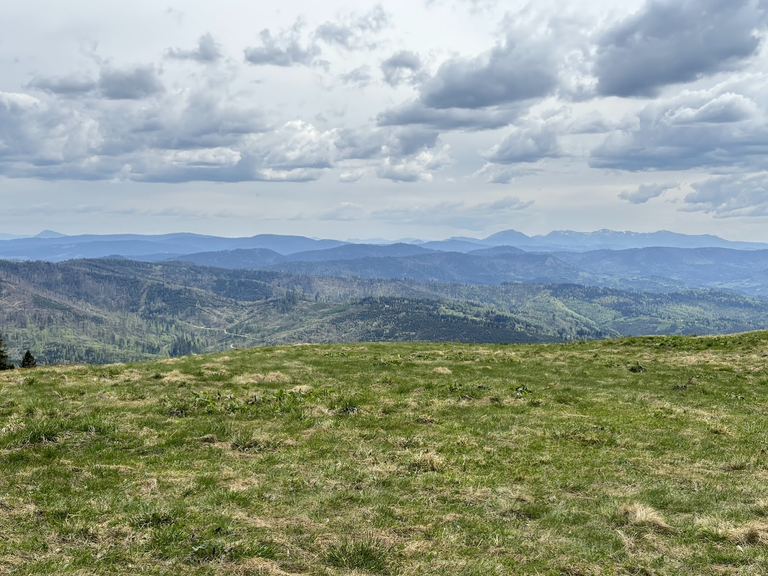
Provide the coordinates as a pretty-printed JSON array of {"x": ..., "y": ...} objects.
[{"x": 634, "y": 456}]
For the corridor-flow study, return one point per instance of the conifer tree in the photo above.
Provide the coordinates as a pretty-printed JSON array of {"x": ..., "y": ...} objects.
[
  {"x": 4, "y": 357},
  {"x": 28, "y": 361}
]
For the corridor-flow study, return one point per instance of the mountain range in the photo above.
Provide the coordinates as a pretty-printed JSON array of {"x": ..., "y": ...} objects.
[
  {"x": 54, "y": 247},
  {"x": 98, "y": 298}
]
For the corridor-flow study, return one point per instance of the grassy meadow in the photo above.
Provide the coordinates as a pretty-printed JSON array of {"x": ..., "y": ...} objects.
[{"x": 635, "y": 456}]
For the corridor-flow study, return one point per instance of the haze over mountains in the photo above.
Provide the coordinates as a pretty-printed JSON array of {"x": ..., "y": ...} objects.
[
  {"x": 652, "y": 262},
  {"x": 53, "y": 246}
]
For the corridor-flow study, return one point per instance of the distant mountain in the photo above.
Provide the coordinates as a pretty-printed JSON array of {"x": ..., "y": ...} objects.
[
  {"x": 741, "y": 270},
  {"x": 355, "y": 251},
  {"x": 454, "y": 245},
  {"x": 561, "y": 240},
  {"x": 448, "y": 267},
  {"x": 507, "y": 238},
  {"x": 50, "y": 234},
  {"x": 56, "y": 249},
  {"x": 256, "y": 258},
  {"x": 496, "y": 250},
  {"x": 241, "y": 258}
]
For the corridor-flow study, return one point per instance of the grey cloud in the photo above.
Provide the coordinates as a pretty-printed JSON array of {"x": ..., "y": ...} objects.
[
  {"x": 415, "y": 112},
  {"x": 203, "y": 119},
  {"x": 67, "y": 86},
  {"x": 526, "y": 145},
  {"x": 403, "y": 66},
  {"x": 208, "y": 50},
  {"x": 354, "y": 32},
  {"x": 130, "y": 83},
  {"x": 37, "y": 136},
  {"x": 206, "y": 138},
  {"x": 645, "y": 192},
  {"x": 695, "y": 129},
  {"x": 485, "y": 92},
  {"x": 384, "y": 142},
  {"x": 730, "y": 196},
  {"x": 360, "y": 76},
  {"x": 285, "y": 50},
  {"x": 515, "y": 71},
  {"x": 674, "y": 41},
  {"x": 724, "y": 109}
]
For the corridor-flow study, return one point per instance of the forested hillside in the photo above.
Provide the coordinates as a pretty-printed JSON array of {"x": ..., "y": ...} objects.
[{"x": 118, "y": 310}]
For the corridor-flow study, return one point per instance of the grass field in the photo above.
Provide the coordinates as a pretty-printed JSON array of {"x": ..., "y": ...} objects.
[{"x": 636, "y": 456}]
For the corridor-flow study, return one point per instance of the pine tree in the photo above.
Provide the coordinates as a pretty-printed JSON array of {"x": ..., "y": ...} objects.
[
  {"x": 28, "y": 361},
  {"x": 4, "y": 357}
]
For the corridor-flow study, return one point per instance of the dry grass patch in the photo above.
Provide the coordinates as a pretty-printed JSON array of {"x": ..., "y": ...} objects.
[
  {"x": 442, "y": 370},
  {"x": 174, "y": 376},
  {"x": 269, "y": 378},
  {"x": 427, "y": 461},
  {"x": 645, "y": 516},
  {"x": 754, "y": 533}
]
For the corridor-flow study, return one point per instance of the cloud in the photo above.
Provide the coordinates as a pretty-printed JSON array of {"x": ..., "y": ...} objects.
[
  {"x": 402, "y": 66},
  {"x": 497, "y": 175},
  {"x": 352, "y": 176},
  {"x": 384, "y": 142},
  {"x": 416, "y": 168},
  {"x": 35, "y": 136},
  {"x": 486, "y": 91},
  {"x": 129, "y": 83},
  {"x": 528, "y": 144},
  {"x": 297, "y": 152},
  {"x": 645, "y": 192},
  {"x": 360, "y": 77},
  {"x": 415, "y": 112},
  {"x": 354, "y": 32},
  {"x": 198, "y": 136},
  {"x": 285, "y": 50},
  {"x": 68, "y": 86},
  {"x": 674, "y": 41},
  {"x": 519, "y": 69},
  {"x": 207, "y": 51},
  {"x": 730, "y": 196},
  {"x": 724, "y": 109},
  {"x": 696, "y": 129}
]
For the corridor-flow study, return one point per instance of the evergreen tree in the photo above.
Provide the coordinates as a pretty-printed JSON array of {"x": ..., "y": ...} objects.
[
  {"x": 28, "y": 361},
  {"x": 4, "y": 357}
]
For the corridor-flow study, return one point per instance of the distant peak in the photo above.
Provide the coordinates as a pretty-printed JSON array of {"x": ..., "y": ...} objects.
[{"x": 50, "y": 234}]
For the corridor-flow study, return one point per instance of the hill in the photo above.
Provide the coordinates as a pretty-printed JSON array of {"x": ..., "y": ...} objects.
[
  {"x": 740, "y": 270},
  {"x": 636, "y": 456},
  {"x": 101, "y": 311}
]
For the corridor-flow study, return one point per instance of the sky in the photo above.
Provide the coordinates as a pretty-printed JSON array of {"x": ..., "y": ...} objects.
[{"x": 404, "y": 119}]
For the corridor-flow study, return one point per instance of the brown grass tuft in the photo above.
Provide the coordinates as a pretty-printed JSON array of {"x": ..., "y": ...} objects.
[
  {"x": 269, "y": 378},
  {"x": 442, "y": 370},
  {"x": 642, "y": 515}
]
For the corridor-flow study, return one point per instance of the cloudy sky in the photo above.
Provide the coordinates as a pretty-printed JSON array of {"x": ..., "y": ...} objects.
[{"x": 417, "y": 118}]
